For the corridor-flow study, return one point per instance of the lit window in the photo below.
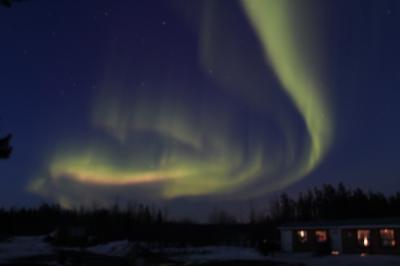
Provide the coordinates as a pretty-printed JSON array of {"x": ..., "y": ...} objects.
[
  {"x": 321, "y": 236},
  {"x": 387, "y": 237},
  {"x": 363, "y": 237},
  {"x": 302, "y": 236}
]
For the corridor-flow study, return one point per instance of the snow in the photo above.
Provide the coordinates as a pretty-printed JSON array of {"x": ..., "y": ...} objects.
[
  {"x": 24, "y": 247},
  {"x": 340, "y": 260},
  {"x": 213, "y": 253},
  {"x": 116, "y": 248},
  {"x": 231, "y": 253},
  {"x": 27, "y": 246},
  {"x": 355, "y": 260}
]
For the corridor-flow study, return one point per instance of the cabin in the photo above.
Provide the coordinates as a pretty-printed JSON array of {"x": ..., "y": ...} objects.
[{"x": 349, "y": 237}]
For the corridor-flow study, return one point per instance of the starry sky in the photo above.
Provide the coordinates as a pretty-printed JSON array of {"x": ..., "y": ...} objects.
[{"x": 193, "y": 105}]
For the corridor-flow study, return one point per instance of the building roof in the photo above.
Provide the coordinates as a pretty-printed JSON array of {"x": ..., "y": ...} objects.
[{"x": 350, "y": 223}]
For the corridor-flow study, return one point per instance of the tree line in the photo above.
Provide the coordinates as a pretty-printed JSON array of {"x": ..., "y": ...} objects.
[
  {"x": 144, "y": 223},
  {"x": 327, "y": 202},
  {"x": 46, "y": 218},
  {"x": 333, "y": 203},
  {"x": 136, "y": 222}
]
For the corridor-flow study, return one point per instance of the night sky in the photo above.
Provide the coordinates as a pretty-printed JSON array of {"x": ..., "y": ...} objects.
[{"x": 197, "y": 105}]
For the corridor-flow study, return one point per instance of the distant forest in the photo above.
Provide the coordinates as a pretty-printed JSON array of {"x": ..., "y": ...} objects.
[
  {"x": 334, "y": 203},
  {"x": 140, "y": 222}
]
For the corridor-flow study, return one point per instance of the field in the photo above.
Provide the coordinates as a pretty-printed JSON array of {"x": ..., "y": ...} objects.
[{"x": 24, "y": 251}]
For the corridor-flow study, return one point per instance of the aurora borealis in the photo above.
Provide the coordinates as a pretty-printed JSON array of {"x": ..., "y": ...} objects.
[
  {"x": 195, "y": 152},
  {"x": 209, "y": 101}
]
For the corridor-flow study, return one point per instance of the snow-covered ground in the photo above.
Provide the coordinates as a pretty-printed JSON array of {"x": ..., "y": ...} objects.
[
  {"x": 24, "y": 247},
  {"x": 213, "y": 253},
  {"x": 20, "y": 247},
  {"x": 115, "y": 248},
  {"x": 340, "y": 260},
  {"x": 229, "y": 253}
]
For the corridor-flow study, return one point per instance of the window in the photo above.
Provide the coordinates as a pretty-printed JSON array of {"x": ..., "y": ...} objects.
[
  {"x": 321, "y": 236},
  {"x": 363, "y": 237},
  {"x": 302, "y": 236},
  {"x": 387, "y": 237}
]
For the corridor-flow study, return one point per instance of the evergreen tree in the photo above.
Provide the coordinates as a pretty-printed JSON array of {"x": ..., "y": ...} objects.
[{"x": 5, "y": 147}]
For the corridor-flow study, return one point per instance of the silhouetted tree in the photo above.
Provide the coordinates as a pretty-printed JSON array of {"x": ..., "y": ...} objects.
[
  {"x": 222, "y": 217},
  {"x": 6, "y": 3},
  {"x": 5, "y": 147},
  {"x": 329, "y": 202},
  {"x": 9, "y": 3}
]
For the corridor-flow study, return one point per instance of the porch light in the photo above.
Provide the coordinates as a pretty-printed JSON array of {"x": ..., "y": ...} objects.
[{"x": 366, "y": 242}]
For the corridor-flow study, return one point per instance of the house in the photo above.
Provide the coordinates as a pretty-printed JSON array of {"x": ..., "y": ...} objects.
[{"x": 372, "y": 236}]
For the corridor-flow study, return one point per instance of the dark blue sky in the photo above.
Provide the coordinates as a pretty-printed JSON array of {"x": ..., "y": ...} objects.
[{"x": 166, "y": 102}]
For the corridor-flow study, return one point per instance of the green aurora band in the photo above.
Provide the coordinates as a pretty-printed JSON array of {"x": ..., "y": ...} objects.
[
  {"x": 282, "y": 38},
  {"x": 190, "y": 150}
]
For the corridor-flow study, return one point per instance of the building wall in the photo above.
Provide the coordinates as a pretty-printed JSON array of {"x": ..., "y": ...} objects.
[
  {"x": 352, "y": 245},
  {"x": 339, "y": 239},
  {"x": 336, "y": 242},
  {"x": 286, "y": 240},
  {"x": 311, "y": 245}
]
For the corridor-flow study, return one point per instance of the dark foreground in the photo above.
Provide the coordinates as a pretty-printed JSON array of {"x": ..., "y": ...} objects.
[{"x": 90, "y": 259}]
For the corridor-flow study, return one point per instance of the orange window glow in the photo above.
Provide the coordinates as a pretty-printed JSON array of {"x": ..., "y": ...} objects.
[
  {"x": 302, "y": 236},
  {"x": 321, "y": 236},
  {"x": 363, "y": 237},
  {"x": 387, "y": 237}
]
